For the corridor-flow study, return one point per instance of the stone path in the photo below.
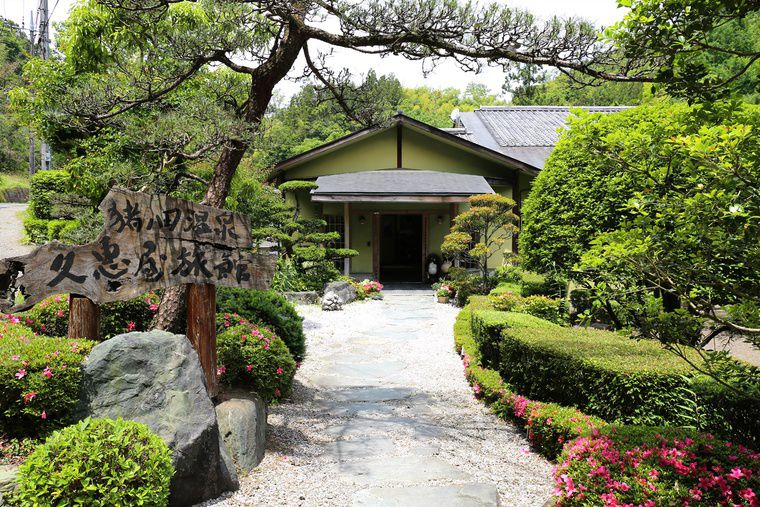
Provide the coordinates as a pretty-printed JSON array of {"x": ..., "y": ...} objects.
[
  {"x": 382, "y": 416},
  {"x": 12, "y": 231}
]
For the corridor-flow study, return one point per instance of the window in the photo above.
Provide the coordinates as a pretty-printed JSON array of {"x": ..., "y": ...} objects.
[{"x": 335, "y": 223}]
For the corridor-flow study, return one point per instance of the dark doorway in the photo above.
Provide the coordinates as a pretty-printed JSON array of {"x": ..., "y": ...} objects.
[{"x": 400, "y": 248}]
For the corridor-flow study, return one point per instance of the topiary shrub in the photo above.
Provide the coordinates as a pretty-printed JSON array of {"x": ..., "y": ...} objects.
[
  {"x": 253, "y": 357},
  {"x": 50, "y": 316},
  {"x": 97, "y": 462},
  {"x": 39, "y": 378},
  {"x": 43, "y": 186},
  {"x": 267, "y": 308},
  {"x": 36, "y": 229}
]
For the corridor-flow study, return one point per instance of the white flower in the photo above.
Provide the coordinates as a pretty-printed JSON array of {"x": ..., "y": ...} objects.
[{"x": 735, "y": 208}]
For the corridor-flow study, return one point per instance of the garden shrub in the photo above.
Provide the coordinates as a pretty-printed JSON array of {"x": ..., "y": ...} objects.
[
  {"x": 267, "y": 308},
  {"x": 543, "y": 307},
  {"x": 649, "y": 467},
  {"x": 44, "y": 186},
  {"x": 36, "y": 229},
  {"x": 252, "y": 356},
  {"x": 98, "y": 462},
  {"x": 487, "y": 327},
  {"x": 51, "y": 315},
  {"x": 39, "y": 378}
]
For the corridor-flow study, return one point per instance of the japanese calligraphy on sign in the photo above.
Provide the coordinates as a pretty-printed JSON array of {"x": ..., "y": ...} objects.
[{"x": 148, "y": 242}]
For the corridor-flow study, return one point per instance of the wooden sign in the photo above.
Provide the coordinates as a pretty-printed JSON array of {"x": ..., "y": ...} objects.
[{"x": 148, "y": 242}]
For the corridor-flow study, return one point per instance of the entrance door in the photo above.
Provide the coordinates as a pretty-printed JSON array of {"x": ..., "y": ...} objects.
[{"x": 400, "y": 248}]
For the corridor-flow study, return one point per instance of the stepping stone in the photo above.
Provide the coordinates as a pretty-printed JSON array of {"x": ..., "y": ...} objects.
[
  {"x": 362, "y": 426},
  {"x": 369, "y": 394},
  {"x": 350, "y": 409},
  {"x": 404, "y": 470},
  {"x": 339, "y": 381},
  {"x": 468, "y": 495},
  {"x": 365, "y": 448},
  {"x": 372, "y": 370}
]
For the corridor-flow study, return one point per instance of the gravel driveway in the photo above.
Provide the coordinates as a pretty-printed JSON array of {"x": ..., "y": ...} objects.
[
  {"x": 381, "y": 415},
  {"x": 12, "y": 231}
]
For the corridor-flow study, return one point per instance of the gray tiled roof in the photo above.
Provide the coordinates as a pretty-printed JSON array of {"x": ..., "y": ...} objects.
[
  {"x": 526, "y": 133},
  {"x": 402, "y": 182}
]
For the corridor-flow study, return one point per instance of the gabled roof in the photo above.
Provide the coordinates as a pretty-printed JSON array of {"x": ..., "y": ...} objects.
[
  {"x": 524, "y": 133},
  {"x": 402, "y": 119}
]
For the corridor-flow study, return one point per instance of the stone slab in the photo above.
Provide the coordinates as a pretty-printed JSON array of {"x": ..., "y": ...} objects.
[
  {"x": 342, "y": 382},
  {"x": 467, "y": 495},
  {"x": 401, "y": 470},
  {"x": 373, "y": 370},
  {"x": 359, "y": 449},
  {"x": 370, "y": 394},
  {"x": 351, "y": 409}
]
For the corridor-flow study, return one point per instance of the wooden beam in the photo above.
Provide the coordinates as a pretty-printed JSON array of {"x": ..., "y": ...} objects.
[
  {"x": 84, "y": 318},
  {"x": 347, "y": 236},
  {"x": 388, "y": 198},
  {"x": 518, "y": 204},
  {"x": 376, "y": 245},
  {"x": 201, "y": 329},
  {"x": 399, "y": 147}
]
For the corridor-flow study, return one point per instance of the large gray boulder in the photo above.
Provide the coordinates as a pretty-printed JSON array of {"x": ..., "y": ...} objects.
[
  {"x": 8, "y": 475},
  {"x": 156, "y": 378},
  {"x": 242, "y": 425},
  {"x": 343, "y": 290}
]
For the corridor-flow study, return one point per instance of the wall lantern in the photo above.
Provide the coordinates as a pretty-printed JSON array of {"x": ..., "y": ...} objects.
[
  {"x": 440, "y": 219},
  {"x": 362, "y": 220}
]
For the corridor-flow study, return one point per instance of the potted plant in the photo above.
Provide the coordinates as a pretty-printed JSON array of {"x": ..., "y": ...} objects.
[{"x": 443, "y": 295}]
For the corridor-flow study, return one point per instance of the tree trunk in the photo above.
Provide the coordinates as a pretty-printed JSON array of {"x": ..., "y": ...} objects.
[{"x": 263, "y": 80}]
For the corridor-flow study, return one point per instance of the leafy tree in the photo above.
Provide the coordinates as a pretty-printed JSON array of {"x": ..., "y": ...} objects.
[
  {"x": 14, "y": 48},
  {"x": 482, "y": 230},
  {"x": 434, "y": 106},
  {"x": 700, "y": 49},
  {"x": 531, "y": 85}
]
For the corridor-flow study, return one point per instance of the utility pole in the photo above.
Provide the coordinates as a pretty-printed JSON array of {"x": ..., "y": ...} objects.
[
  {"x": 44, "y": 52},
  {"x": 32, "y": 150}
]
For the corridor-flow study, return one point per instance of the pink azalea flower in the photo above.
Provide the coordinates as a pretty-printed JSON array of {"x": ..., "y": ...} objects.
[
  {"x": 736, "y": 473},
  {"x": 15, "y": 357},
  {"x": 43, "y": 415},
  {"x": 279, "y": 371},
  {"x": 59, "y": 314},
  {"x": 29, "y": 397},
  {"x": 15, "y": 320},
  {"x": 131, "y": 326},
  {"x": 153, "y": 307},
  {"x": 21, "y": 374},
  {"x": 277, "y": 393},
  {"x": 221, "y": 370},
  {"x": 249, "y": 368},
  {"x": 47, "y": 373}
]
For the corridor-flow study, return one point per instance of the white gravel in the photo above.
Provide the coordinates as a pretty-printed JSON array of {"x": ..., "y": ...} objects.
[
  {"x": 12, "y": 231},
  {"x": 321, "y": 450}
]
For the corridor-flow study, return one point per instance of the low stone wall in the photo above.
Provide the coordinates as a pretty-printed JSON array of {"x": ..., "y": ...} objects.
[
  {"x": 309, "y": 297},
  {"x": 16, "y": 194}
]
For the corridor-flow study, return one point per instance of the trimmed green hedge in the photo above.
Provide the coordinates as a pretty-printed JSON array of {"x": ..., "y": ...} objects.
[{"x": 608, "y": 375}]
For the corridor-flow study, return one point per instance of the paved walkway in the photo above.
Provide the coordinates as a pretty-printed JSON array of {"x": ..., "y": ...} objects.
[
  {"x": 382, "y": 416},
  {"x": 12, "y": 231}
]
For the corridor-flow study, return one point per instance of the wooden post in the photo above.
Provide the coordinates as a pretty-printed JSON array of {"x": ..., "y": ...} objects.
[
  {"x": 201, "y": 329},
  {"x": 347, "y": 236},
  {"x": 84, "y": 318}
]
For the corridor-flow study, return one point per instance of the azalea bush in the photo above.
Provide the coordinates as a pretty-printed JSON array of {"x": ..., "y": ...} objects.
[
  {"x": 97, "y": 462},
  {"x": 269, "y": 309},
  {"x": 50, "y": 316},
  {"x": 39, "y": 378},
  {"x": 251, "y": 356},
  {"x": 639, "y": 466}
]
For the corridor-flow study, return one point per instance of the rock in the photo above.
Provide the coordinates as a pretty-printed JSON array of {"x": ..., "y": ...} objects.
[
  {"x": 331, "y": 303},
  {"x": 309, "y": 297},
  {"x": 242, "y": 426},
  {"x": 156, "y": 378},
  {"x": 344, "y": 290},
  {"x": 8, "y": 474}
]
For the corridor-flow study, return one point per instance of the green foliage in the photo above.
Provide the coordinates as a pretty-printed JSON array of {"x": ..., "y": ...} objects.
[
  {"x": 40, "y": 379},
  {"x": 98, "y": 462},
  {"x": 542, "y": 307},
  {"x": 252, "y": 356},
  {"x": 43, "y": 187},
  {"x": 50, "y": 316},
  {"x": 14, "y": 50},
  {"x": 481, "y": 231},
  {"x": 529, "y": 85},
  {"x": 269, "y": 309},
  {"x": 580, "y": 192}
]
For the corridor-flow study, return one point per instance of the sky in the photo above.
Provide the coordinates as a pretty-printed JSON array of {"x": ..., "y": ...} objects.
[{"x": 409, "y": 73}]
